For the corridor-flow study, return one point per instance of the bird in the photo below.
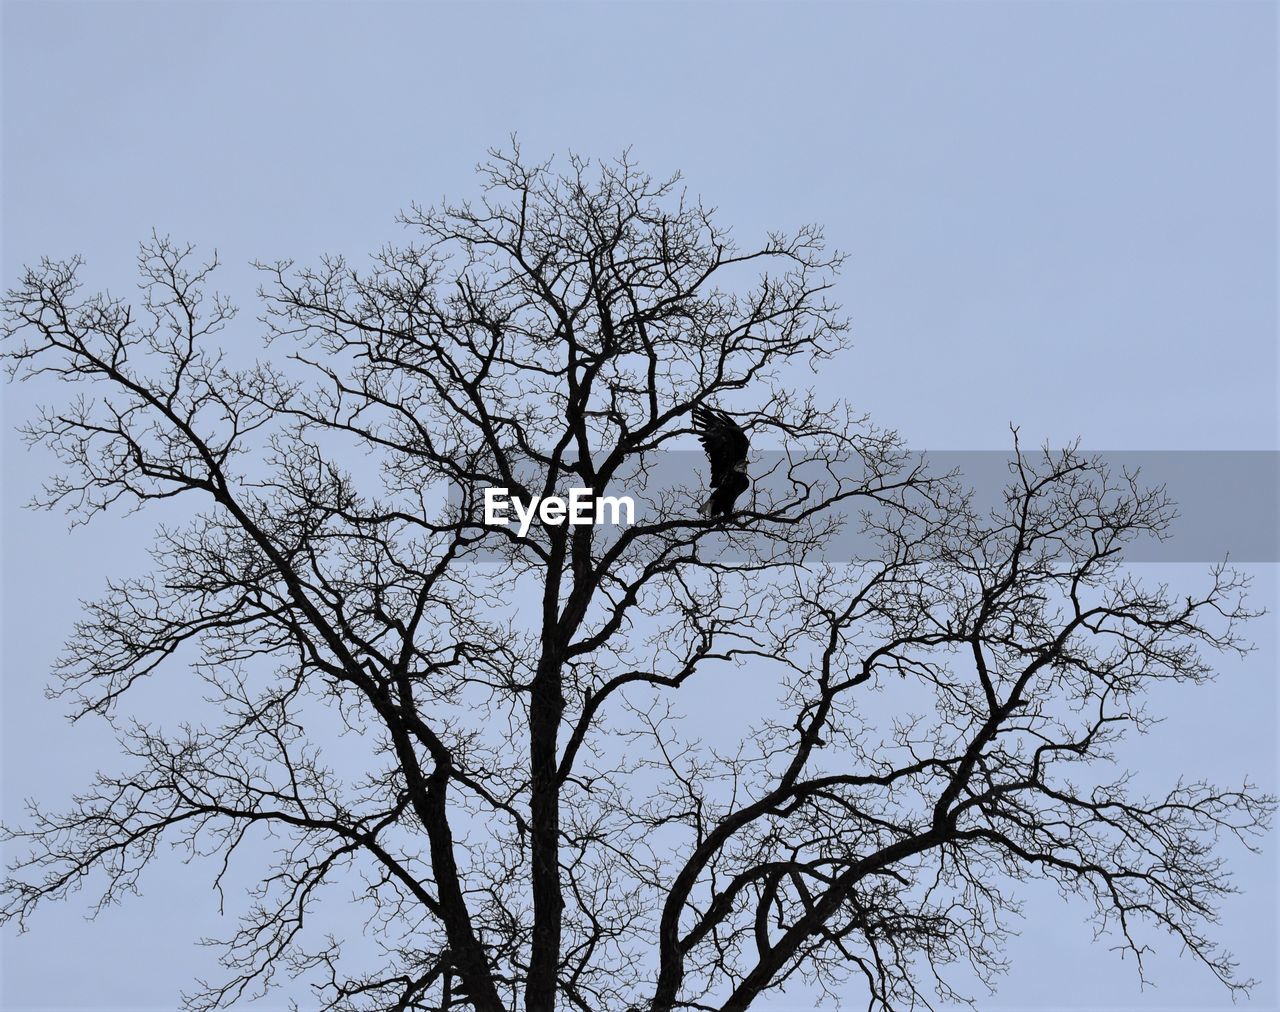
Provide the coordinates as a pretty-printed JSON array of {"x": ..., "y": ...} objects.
[{"x": 726, "y": 445}]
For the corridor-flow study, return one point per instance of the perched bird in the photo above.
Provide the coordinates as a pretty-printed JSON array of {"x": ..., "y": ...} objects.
[{"x": 726, "y": 445}]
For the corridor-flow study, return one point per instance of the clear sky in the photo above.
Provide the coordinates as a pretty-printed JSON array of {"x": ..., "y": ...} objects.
[{"x": 1059, "y": 214}]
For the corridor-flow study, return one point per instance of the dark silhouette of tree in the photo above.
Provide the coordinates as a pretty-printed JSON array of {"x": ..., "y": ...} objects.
[{"x": 535, "y": 825}]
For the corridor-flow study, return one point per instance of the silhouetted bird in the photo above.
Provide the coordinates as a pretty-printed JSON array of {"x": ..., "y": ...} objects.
[{"x": 726, "y": 447}]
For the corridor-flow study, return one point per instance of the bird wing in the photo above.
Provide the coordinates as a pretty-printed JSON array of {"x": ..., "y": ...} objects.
[{"x": 726, "y": 444}]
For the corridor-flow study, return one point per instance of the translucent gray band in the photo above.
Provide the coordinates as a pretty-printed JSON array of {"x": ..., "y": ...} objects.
[{"x": 1227, "y": 501}]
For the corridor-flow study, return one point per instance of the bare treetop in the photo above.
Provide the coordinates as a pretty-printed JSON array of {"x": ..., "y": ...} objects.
[{"x": 532, "y": 824}]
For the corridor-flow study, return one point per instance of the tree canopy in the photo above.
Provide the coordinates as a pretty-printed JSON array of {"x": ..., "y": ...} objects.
[{"x": 534, "y": 826}]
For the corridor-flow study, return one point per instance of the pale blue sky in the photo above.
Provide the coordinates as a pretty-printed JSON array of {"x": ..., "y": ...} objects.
[{"x": 1059, "y": 214}]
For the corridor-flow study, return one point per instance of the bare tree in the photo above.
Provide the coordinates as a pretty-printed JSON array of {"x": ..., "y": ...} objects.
[{"x": 534, "y": 823}]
